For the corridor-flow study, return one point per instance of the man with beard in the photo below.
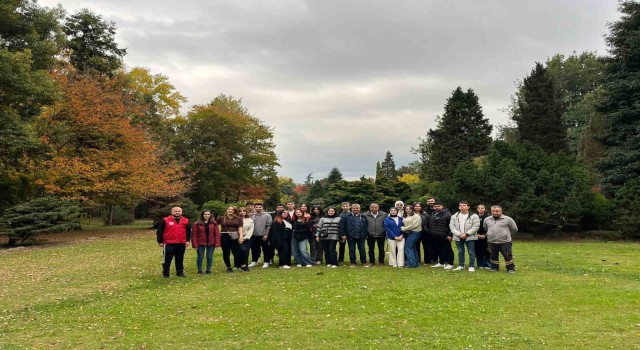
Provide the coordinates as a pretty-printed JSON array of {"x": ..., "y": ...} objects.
[
  {"x": 499, "y": 229},
  {"x": 439, "y": 228},
  {"x": 173, "y": 235},
  {"x": 346, "y": 210}
]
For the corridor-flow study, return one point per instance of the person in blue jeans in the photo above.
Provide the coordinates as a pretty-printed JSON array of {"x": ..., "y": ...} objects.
[
  {"x": 411, "y": 230},
  {"x": 300, "y": 240},
  {"x": 464, "y": 227},
  {"x": 354, "y": 229}
]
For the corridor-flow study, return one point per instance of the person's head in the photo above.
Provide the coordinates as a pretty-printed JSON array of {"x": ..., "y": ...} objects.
[
  {"x": 437, "y": 206},
  {"x": 232, "y": 211},
  {"x": 243, "y": 212},
  {"x": 205, "y": 215},
  {"x": 331, "y": 212},
  {"x": 417, "y": 207},
  {"x": 279, "y": 207},
  {"x": 291, "y": 206},
  {"x": 299, "y": 214},
  {"x": 259, "y": 208},
  {"x": 463, "y": 206},
  {"x": 249, "y": 206},
  {"x": 393, "y": 211},
  {"x": 431, "y": 201},
  {"x": 304, "y": 208},
  {"x": 496, "y": 211},
  {"x": 176, "y": 212},
  {"x": 408, "y": 210},
  {"x": 374, "y": 207},
  {"x": 346, "y": 206},
  {"x": 285, "y": 215},
  {"x": 316, "y": 211},
  {"x": 399, "y": 205},
  {"x": 355, "y": 208},
  {"x": 481, "y": 209}
]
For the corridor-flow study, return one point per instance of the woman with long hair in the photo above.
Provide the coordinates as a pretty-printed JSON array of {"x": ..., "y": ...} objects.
[
  {"x": 316, "y": 248},
  {"x": 482, "y": 247},
  {"x": 328, "y": 234},
  {"x": 280, "y": 238},
  {"x": 301, "y": 229},
  {"x": 205, "y": 237},
  {"x": 422, "y": 242},
  {"x": 231, "y": 229},
  {"x": 244, "y": 242},
  {"x": 411, "y": 230}
]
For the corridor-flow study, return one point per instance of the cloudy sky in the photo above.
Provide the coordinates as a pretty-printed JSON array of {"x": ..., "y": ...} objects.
[{"x": 342, "y": 82}]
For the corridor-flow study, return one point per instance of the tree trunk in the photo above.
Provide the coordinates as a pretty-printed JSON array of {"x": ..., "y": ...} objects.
[{"x": 110, "y": 216}]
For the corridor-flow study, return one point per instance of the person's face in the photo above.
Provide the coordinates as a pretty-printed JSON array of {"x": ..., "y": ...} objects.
[
  {"x": 304, "y": 208},
  {"x": 299, "y": 213},
  {"x": 481, "y": 209},
  {"x": 430, "y": 202},
  {"x": 496, "y": 212},
  {"x": 250, "y": 207},
  {"x": 279, "y": 208},
  {"x": 206, "y": 215},
  {"x": 230, "y": 211},
  {"x": 374, "y": 208},
  {"x": 408, "y": 210},
  {"x": 399, "y": 206},
  {"x": 393, "y": 211},
  {"x": 463, "y": 207},
  {"x": 243, "y": 213},
  {"x": 316, "y": 211},
  {"x": 291, "y": 206},
  {"x": 345, "y": 207},
  {"x": 417, "y": 207},
  {"x": 331, "y": 212},
  {"x": 285, "y": 214},
  {"x": 355, "y": 209},
  {"x": 176, "y": 212},
  {"x": 437, "y": 207},
  {"x": 258, "y": 209}
]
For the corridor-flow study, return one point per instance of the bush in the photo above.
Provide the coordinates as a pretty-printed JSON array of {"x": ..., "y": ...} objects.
[
  {"x": 627, "y": 213},
  {"x": 42, "y": 215},
  {"x": 121, "y": 216},
  {"x": 217, "y": 208}
]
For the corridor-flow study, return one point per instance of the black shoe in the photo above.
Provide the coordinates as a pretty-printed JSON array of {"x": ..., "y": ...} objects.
[
  {"x": 165, "y": 276},
  {"x": 199, "y": 272},
  {"x": 229, "y": 269},
  {"x": 244, "y": 269},
  {"x": 208, "y": 272},
  {"x": 182, "y": 275}
]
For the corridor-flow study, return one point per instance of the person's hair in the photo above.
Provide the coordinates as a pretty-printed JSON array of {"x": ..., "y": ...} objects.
[
  {"x": 235, "y": 210},
  {"x": 259, "y": 203},
  {"x": 292, "y": 202},
  {"x": 434, "y": 198},
  {"x": 246, "y": 211},
  {"x": 438, "y": 203},
  {"x": 313, "y": 215},
  {"x": 481, "y": 205},
  {"x": 249, "y": 203},
  {"x": 201, "y": 220},
  {"x": 393, "y": 208},
  {"x": 301, "y": 217},
  {"x": 374, "y": 203},
  {"x": 421, "y": 208},
  {"x": 279, "y": 217},
  {"x": 410, "y": 208},
  {"x": 335, "y": 212},
  {"x": 464, "y": 202},
  {"x": 496, "y": 206},
  {"x": 343, "y": 203},
  {"x": 279, "y": 205}
]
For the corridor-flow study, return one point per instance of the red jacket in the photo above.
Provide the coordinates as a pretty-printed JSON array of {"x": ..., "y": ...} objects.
[
  {"x": 199, "y": 235},
  {"x": 175, "y": 232}
]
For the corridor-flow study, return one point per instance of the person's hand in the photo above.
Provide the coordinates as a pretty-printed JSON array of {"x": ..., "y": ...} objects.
[
  {"x": 463, "y": 236},
  {"x": 482, "y": 236},
  {"x": 186, "y": 244},
  {"x": 343, "y": 239},
  {"x": 317, "y": 239},
  {"x": 449, "y": 238},
  {"x": 160, "y": 244},
  {"x": 265, "y": 238},
  {"x": 241, "y": 240}
]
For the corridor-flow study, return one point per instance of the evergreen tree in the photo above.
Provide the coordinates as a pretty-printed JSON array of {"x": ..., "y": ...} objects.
[
  {"x": 388, "y": 167},
  {"x": 379, "y": 176},
  {"x": 539, "y": 113},
  {"x": 314, "y": 196},
  {"x": 334, "y": 176},
  {"x": 462, "y": 134},
  {"x": 621, "y": 100}
]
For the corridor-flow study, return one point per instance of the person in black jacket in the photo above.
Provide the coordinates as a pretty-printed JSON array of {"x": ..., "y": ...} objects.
[
  {"x": 439, "y": 229},
  {"x": 482, "y": 247},
  {"x": 354, "y": 229}
]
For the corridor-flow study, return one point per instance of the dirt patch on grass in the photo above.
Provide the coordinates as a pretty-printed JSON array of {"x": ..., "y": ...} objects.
[{"x": 75, "y": 237}]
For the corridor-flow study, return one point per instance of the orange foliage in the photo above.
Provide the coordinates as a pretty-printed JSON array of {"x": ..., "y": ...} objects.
[{"x": 97, "y": 154}]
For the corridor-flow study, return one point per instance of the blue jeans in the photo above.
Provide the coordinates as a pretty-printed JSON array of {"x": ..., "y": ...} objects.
[
  {"x": 201, "y": 250},
  {"x": 410, "y": 251},
  {"x": 353, "y": 242},
  {"x": 300, "y": 252},
  {"x": 471, "y": 247}
]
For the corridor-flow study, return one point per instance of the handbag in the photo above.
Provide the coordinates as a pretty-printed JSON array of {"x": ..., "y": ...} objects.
[
  {"x": 324, "y": 233},
  {"x": 233, "y": 235}
]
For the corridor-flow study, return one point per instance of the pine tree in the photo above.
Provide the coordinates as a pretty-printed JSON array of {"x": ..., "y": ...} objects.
[
  {"x": 334, "y": 176},
  {"x": 621, "y": 102},
  {"x": 539, "y": 114},
  {"x": 388, "y": 167},
  {"x": 379, "y": 176},
  {"x": 462, "y": 134}
]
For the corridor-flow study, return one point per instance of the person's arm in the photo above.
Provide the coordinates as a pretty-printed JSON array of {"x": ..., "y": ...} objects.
[
  {"x": 160, "y": 232},
  {"x": 188, "y": 234},
  {"x": 475, "y": 225},
  {"x": 194, "y": 242},
  {"x": 512, "y": 226},
  {"x": 267, "y": 228},
  {"x": 452, "y": 226}
]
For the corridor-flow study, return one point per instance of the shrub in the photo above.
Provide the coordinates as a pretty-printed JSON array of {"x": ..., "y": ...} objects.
[{"x": 121, "y": 216}]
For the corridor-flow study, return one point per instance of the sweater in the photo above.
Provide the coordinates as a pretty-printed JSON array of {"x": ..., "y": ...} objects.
[
  {"x": 412, "y": 223},
  {"x": 261, "y": 223},
  {"x": 499, "y": 230},
  {"x": 471, "y": 226},
  {"x": 248, "y": 226},
  {"x": 391, "y": 228},
  {"x": 331, "y": 226}
]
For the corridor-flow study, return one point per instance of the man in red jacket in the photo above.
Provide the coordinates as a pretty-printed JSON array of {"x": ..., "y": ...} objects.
[{"x": 174, "y": 234}]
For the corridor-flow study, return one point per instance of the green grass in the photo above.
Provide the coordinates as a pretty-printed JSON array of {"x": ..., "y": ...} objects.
[{"x": 105, "y": 291}]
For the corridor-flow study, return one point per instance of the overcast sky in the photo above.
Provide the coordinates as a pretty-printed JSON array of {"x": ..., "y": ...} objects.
[{"x": 342, "y": 82}]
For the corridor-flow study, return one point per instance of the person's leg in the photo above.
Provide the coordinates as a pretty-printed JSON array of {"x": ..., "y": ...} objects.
[
  {"x": 256, "y": 243},
  {"x": 210, "y": 258},
  {"x": 238, "y": 257},
  {"x": 400, "y": 254},
  {"x": 352, "y": 250},
  {"x": 201, "y": 249},
  {"x": 391, "y": 244},
  {"x": 494, "y": 249},
  {"x": 295, "y": 250},
  {"x": 507, "y": 253},
  {"x": 180, "y": 249},
  {"x": 168, "y": 252},
  {"x": 286, "y": 251},
  {"x": 460, "y": 246},
  {"x": 471, "y": 247},
  {"x": 267, "y": 253},
  {"x": 448, "y": 251},
  {"x": 439, "y": 249},
  {"x": 418, "y": 244},
  {"x": 371, "y": 244},
  {"x": 314, "y": 249},
  {"x": 342, "y": 249},
  {"x": 225, "y": 242},
  {"x": 381, "y": 253},
  {"x": 305, "y": 257},
  {"x": 424, "y": 240},
  {"x": 333, "y": 255},
  {"x": 362, "y": 251},
  {"x": 410, "y": 249}
]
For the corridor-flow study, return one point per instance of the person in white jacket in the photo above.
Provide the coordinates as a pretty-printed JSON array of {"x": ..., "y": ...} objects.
[{"x": 464, "y": 226}]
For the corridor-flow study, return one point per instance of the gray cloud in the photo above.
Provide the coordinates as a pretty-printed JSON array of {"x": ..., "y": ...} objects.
[{"x": 343, "y": 82}]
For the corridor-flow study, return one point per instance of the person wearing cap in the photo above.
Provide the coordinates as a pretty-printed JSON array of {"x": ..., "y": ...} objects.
[{"x": 438, "y": 227}]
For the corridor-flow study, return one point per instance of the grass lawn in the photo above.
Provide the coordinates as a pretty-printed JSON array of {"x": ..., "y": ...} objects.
[{"x": 102, "y": 288}]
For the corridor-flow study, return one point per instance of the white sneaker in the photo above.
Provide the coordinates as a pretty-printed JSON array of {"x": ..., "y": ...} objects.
[
  {"x": 459, "y": 268},
  {"x": 334, "y": 266},
  {"x": 286, "y": 267},
  {"x": 437, "y": 265},
  {"x": 309, "y": 265},
  {"x": 253, "y": 264},
  {"x": 298, "y": 265},
  {"x": 448, "y": 267},
  {"x": 472, "y": 269},
  {"x": 265, "y": 265}
]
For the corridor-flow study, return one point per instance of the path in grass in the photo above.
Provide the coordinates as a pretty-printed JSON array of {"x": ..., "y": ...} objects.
[{"x": 105, "y": 291}]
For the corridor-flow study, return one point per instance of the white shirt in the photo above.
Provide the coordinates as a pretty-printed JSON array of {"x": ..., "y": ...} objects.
[{"x": 462, "y": 218}]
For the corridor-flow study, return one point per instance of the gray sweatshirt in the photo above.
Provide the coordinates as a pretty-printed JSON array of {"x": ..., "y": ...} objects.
[
  {"x": 261, "y": 223},
  {"x": 499, "y": 230}
]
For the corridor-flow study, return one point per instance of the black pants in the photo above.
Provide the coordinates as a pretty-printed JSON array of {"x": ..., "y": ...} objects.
[
  {"x": 426, "y": 241},
  {"x": 258, "y": 243},
  {"x": 284, "y": 251},
  {"x": 329, "y": 247},
  {"x": 170, "y": 251},
  {"x": 371, "y": 243},
  {"x": 315, "y": 249},
  {"x": 505, "y": 249},
  {"x": 242, "y": 258},
  {"x": 229, "y": 247},
  {"x": 353, "y": 244},
  {"x": 443, "y": 250},
  {"x": 342, "y": 249},
  {"x": 483, "y": 255}
]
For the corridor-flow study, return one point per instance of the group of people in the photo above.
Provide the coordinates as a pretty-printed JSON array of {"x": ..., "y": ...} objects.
[{"x": 310, "y": 237}]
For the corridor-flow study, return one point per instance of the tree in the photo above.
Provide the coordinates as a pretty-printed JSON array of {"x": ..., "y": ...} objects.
[
  {"x": 92, "y": 43},
  {"x": 388, "y": 167},
  {"x": 621, "y": 100},
  {"x": 334, "y": 176},
  {"x": 315, "y": 194},
  {"x": 462, "y": 133},
  {"x": 539, "y": 114}
]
